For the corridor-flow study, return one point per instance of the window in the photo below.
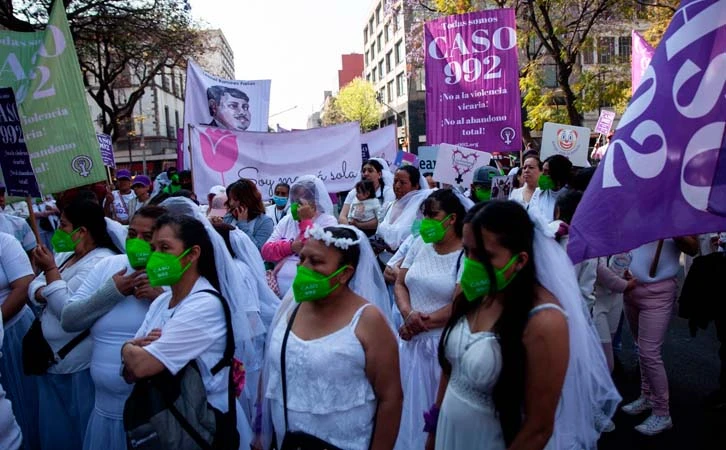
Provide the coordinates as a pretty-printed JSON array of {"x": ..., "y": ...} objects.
[
  {"x": 624, "y": 48},
  {"x": 606, "y": 50},
  {"x": 399, "y": 20},
  {"x": 387, "y": 31},
  {"x": 373, "y": 52},
  {"x": 170, "y": 132},
  {"x": 366, "y": 58},
  {"x": 420, "y": 79},
  {"x": 176, "y": 119},
  {"x": 382, "y": 94},
  {"x": 399, "y": 52},
  {"x": 549, "y": 75},
  {"x": 389, "y": 55},
  {"x": 389, "y": 91},
  {"x": 378, "y": 41},
  {"x": 368, "y": 77},
  {"x": 380, "y": 69},
  {"x": 373, "y": 75},
  {"x": 587, "y": 54},
  {"x": 165, "y": 82},
  {"x": 365, "y": 35},
  {"x": 378, "y": 15},
  {"x": 400, "y": 84},
  {"x": 370, "y": 26}
]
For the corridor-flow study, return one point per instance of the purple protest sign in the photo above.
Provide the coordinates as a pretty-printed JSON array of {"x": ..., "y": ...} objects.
[
  {"x": 661, "y": 176},
  {"x": 17, "y": 170},
  {"x": 472, "y": 81},
  {"x": 180, "y": 148},
  {"x": 106, "y": 146},
  {"x": 605, "y": 122},
  {"x": 641, "y": 55}
]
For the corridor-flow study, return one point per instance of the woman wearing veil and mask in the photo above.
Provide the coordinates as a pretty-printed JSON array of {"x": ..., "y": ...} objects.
[
  {"x": 331, "y": 369},
  {"x": 376, "y": 171},
  {"x": 309, "y": 205}
]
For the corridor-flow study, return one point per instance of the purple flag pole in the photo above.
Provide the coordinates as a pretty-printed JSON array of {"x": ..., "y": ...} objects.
[{"x": 664, "y": 174}]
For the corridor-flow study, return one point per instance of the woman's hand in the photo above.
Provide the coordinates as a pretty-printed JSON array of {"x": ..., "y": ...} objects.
[
  {"x": 149, "y": 338},
  {"x": 240, "y": 213},
  {"x": 43, "y": 258},
  {"x": 144, "y": 291},
  {"x": 389, "y": 274},
  {"x": 431, "y": 442},
  {"x": 306, "y": 211},
  {"x": 416, "y": 322},
  {"x": 125, "y": 283}
]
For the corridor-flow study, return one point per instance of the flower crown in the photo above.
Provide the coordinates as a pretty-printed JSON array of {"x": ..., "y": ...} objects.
[{"x": 319, "y": 234}]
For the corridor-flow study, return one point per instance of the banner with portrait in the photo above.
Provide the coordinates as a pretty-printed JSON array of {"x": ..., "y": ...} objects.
[{"x": 235, "y": 105}]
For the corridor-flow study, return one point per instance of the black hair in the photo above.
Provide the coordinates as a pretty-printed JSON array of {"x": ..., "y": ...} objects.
[
  {"x": 224, "y": 230},
  {"x": 567, "y": 203},
  {"x": 351, "y": 256},
  {"x": 283, "y": 185},
  {"x": 192, "y": 232},
  {"x": 366, "y": 187},
  {"x": 186, "y": 193},
  {"x": 428, "y": 174},
  {"x": 582, "y": 178},
  {"x": 514, "y": 231},
  {"x": 82, "y": 212},
  {"x": 559, "y": 169},
  {"x": 413, "y": 174},
  {"x": 448, "y": 202},
  {"x": 245, "y": 191},
  {"x": 379, "y": 168},
  {"x": 158, "y": 198},
  {"x": 151, "y": 212},
  {"x": 215, "y": 93}
]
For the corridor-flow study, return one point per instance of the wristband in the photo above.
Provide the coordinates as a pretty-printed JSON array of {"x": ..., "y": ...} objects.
[
  {"x": 431, "y": 418},
  {"x": 408, "y": 316}
]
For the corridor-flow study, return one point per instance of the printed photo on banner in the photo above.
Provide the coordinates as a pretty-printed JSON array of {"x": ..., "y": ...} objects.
[
  {"x": 456, "y": 165},
  {"x": 472, "y": 81},
  {"x": 380, "y": 143},
  {"x": 405, "y": 159},
  {"x": 502, "y": 187},
  {"x": 235, "y": 105},
  {"x": 332, "y": 154},
  {"x": 566, "y": 140}
]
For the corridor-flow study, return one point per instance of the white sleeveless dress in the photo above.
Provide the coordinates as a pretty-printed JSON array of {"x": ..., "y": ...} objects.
[
  {"x": 328, "y": 393},
  {"x": 468, "y": 417}
]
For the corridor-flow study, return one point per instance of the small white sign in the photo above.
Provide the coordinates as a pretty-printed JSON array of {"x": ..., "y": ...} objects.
[
  {"x": 566, "y": 140},
  {"x": 455, "y": 165}
]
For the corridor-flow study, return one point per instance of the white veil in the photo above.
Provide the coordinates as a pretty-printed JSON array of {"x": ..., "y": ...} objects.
[
  {"x": 118, "y": 233},
  {"x": 246, "y": 252},
  {"x": 387, "y": 175},
  {"x": 588, "y": 390},
  {"x": 312, "y": 187},
  {"x": 396, "y": 226},
  {"x": 235, "y": 283}
]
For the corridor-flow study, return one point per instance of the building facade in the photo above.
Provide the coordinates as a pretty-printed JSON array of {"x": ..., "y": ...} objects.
[
  {"x": 218, "y": 58},
  {"x": 352, "y": 67}
]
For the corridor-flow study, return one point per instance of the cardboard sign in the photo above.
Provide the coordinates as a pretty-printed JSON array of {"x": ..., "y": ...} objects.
[
  {"x": 456, "y": 165},
  {"x": 566, "y": 140}
]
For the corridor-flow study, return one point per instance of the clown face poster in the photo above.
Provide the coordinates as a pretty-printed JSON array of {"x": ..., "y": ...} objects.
[
  {"x": 455, "y": 165},
  {"x": 566, "y": 140}
]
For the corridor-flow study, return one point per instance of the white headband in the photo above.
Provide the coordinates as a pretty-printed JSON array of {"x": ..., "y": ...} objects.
[{"x": 319, "y": 234}]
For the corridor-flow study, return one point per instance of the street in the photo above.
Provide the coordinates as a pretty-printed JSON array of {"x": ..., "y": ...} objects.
[{"x": 692, "y": 365}]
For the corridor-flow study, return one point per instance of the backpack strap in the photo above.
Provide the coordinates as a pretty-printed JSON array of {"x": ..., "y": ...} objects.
[{"x": 282, "y": 361}]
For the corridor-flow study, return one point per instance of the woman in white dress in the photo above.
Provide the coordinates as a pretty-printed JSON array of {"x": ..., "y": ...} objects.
[
  {"x": 531, "y": 170},
  {"x": 341, "y": 365},
  {"x": 66, "y": 390},
  {"x": 10, "y": 435},
  {"x": 522, "y": 366},
  {"x": 16, "y": 273},
  {"x": 424, "y": 290},
  {"x": 112, "y": 302},
  {"x": 309, "y": 205}
]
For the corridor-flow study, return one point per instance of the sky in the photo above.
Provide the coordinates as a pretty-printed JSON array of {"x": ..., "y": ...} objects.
[{"x": 295, "y": 43}]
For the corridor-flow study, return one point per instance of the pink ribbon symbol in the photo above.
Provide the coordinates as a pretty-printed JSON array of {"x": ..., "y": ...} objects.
[{"x": 219, "y": 149}]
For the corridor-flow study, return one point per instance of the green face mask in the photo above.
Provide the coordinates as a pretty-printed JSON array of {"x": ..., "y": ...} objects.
[
  {"x": 293, "y": 211},
  {"x": 475, "y": 282},
  {"x": 165, "y": 269},
  {"x": 432, "y": 230},
  {"x": 310, "y": 285},
  {"x": 138, "y": 251},
  {"x": 62, "y": 241},
  {"x": 546, "y": 183},
  {"x": 483, "y": 195}
]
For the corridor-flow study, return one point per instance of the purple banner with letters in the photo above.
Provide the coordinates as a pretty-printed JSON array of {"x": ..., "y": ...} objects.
[
  {"x": 472, "y": 81},
  {"x": 106, "y": 145},
  {"x": 664, "y": 174},
  {"x": 17, "y": 170}
]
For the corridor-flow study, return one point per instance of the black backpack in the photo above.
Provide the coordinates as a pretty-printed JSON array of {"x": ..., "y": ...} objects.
[{"x": 171, "y": 412}]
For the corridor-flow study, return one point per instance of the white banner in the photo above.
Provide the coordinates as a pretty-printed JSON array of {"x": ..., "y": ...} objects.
[
  {"x": 380, "y": 143},
  {"x": 222, "y": 156},
  {"x": 566, "y": 140},
  {"x": 456, "y": 165},
  {"x": 230, "y": 104}
]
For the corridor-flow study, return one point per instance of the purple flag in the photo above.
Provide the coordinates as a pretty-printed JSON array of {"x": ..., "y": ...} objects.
[
  {"x": 642, "y": 53},
  {"x": 15, "y": 162},
  {"x": 472, "y": 81},
  {"x": 664, "y": 174},
  {"x": 180, "y": 148},
  {"x": 106, "y": 146}
]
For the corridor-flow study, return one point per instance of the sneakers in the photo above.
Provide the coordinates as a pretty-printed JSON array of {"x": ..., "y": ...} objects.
[
  {"x": 655, "y": 425},
  {"x": 716, "y": 400},
  {"x": 603, "y": 424},
  {"x": 639, "y": 406}
]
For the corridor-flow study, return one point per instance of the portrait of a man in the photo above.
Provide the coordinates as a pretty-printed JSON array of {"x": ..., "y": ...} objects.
[{"x": 229, "y": 108}]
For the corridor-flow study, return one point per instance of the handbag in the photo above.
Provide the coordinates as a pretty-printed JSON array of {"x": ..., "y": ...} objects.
[
  {"x": 171, "y": 412},
  {"x": 37, "y": 354},
  {"x": 296, "y": 440},
  {"x": 271, "y": 277}
]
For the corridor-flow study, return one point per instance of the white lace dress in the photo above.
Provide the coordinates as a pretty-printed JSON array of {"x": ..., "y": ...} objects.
[
  {"x": 468, "y": 418},
  {"x": 328, "y": 393},
  {"x": 431, "y": 280}
]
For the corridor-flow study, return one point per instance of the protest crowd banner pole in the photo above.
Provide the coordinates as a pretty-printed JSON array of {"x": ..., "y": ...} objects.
[
  {"x": 33, "y": 223},
  {"x": 189, "y": 147}
]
